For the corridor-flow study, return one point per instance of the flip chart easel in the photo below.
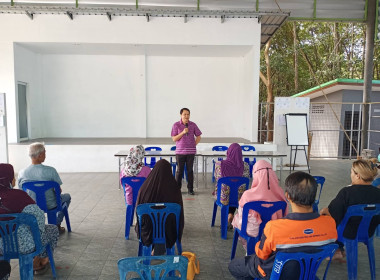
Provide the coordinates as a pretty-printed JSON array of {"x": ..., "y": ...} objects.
[{"x": 297, "y": 135}]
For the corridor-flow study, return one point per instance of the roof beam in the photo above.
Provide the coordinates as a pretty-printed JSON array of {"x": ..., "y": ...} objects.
[
  {"x": 29, "y": 14},
  {"x": 70, "y": 15}
]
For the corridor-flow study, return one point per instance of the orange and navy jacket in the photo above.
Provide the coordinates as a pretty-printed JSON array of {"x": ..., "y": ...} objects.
[{"x": 294, "y": 231}]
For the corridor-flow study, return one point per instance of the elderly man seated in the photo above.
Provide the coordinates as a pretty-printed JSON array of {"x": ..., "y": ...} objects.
[{"x": 39, "y": 172}]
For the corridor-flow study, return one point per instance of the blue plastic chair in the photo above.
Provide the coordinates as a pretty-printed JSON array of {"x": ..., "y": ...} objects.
[
  {"x": 153, "y": 267},
  {"x": 320, "y": 181},
  {"x": 247, "y": 148},
  {"x": 152, "y": 161},
  {"x": 158, "y": 213},
  {"x": 174, "y": 164},
  {"x": 309, "y": 262},
  {"x": 376, "y": 182},
  {"x": 219, "y": 149},
  {"x": 11, "y": 248},
  {"x": 265, "y": 214},
  {"x": 233, "y": 183},
  {"x": 366, "y": 211},
  {"x": 39, "y": 188},
  {"x": 135, "y": 183}
]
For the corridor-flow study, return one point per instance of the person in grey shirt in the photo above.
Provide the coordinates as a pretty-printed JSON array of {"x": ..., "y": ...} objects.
[{"x": 39, "y": 172}]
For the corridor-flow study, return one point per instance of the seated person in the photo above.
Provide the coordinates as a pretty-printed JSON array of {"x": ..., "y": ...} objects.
[
  {"x": 232, "y": 166},
  {"x": 359, "y": 192},
  {"x": 160, "y": 187},
  {"x": 265, "y": 187},
  {"x": 18, "y": 201},
  {"x": 134, "y": 167},
  {"x": 5, "y": 270},
  {"x": 289, "y": 234},
  {"x": 39, "y": 172},
  {"x": 376, "y": 180}
]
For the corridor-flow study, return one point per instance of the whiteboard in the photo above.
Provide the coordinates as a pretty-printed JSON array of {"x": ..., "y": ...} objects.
[{"x": 296, "y": 129}]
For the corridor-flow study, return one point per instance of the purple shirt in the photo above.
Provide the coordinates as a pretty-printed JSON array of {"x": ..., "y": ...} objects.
[
  {"x": 186, "y": 145},
  {"x": 144, "y": 172}
]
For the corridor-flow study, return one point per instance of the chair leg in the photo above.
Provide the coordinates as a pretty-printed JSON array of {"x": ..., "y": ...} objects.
[
  {"x": 51, "y": 260},
  {"x": 234, "y": 243},
  {"x": 371, "y": 257},
  {"x": 67, "y": 218},
  {"x": 213, "y": 171},
  {"x": 139, "y": 253},
  {"x": 147, "y": 250},
  {"x": 224, "y": 221},
  {"x": 26, "y": 267},
  {"x": 170, "y": 251},
  {"x": 128, "y": 215},
  {"x": 251, "y": 243},
  {"x": 214, "y": 214},
  {"x": 52, "y": 218},
  {"x": 352, "y": 259},
  {"x": 179, "y": 248}
]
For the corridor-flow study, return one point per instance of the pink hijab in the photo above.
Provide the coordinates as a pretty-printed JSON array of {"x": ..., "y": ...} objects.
[{"x": 265, "y": 186}]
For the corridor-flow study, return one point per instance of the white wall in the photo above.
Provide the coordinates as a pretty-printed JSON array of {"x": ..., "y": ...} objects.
[
  {"x": 92, "y": 96},
  {"x": 208, "y": 86},
  {"x": 81, "y": 93}
]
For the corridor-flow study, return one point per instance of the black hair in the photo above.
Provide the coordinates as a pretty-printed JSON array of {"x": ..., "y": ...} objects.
[
  {"x": 183, "y": 109},
  {"x": 301, "y": 188}
]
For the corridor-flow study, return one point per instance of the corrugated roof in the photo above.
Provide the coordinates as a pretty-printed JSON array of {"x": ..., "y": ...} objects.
[
  {"x": 328, "y": 87},
  {"x": 271, "y": 13}
]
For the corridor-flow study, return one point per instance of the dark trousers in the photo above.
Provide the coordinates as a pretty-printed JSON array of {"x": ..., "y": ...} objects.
[
  {"x": 189, "y": 160},
  {"x": 238, "y": 268}
]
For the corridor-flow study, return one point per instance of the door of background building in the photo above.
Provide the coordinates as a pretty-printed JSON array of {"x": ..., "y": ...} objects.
[{"x": 22, "y": 112}]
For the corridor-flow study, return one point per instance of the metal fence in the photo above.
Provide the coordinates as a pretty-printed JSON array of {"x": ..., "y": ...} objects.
[{"x": 327, "y": 123}]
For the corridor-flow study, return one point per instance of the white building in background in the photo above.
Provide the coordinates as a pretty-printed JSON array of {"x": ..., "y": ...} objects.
[{"x": 345, "y": 97}]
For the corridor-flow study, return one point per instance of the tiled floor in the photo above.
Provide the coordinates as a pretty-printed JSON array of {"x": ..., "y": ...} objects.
[{"x": 97, "y": 242}]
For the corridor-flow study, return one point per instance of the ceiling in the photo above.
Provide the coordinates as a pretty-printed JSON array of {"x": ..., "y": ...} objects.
[{"x": 271, "y": 13}]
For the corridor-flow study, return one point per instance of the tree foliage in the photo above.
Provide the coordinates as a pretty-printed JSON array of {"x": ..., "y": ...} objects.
[{"x": 319, "y": 52}]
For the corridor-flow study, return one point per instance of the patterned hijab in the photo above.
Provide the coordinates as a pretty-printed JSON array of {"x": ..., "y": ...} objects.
[
  {"x": 134, "y": 162},
  {"x": 233, "y": 165},
  {"x": 11, "y": 201}
]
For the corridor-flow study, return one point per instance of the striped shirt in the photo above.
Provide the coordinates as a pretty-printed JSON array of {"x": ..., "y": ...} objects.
[{"x": 186, "y": 145}]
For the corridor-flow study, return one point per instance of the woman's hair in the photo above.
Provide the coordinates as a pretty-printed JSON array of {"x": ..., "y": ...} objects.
[{"x": 365, "y": 168}]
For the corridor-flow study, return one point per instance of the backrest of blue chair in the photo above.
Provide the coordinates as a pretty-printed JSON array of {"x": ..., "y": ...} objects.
[
  {"x": 135, "y": 183},
  {"x": 40, "y": 188},
  {"x": 320, "y": 181},
  {"x": 309, "y": 262},
  {"x": 366, "y": 211},
  {"x": 220, "y": 148},
  {"x": 265, "y": 209},
  {"x": 233, "y": 183},
  {"x": 376, "y": 182},
  {"x": 152, "y": 159},
  {"x": 158, "y": 213},
  {"x": 247, "y": 148},
  {"x": 9, "y": 226},
  {"x": 161, "y": 267}
]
